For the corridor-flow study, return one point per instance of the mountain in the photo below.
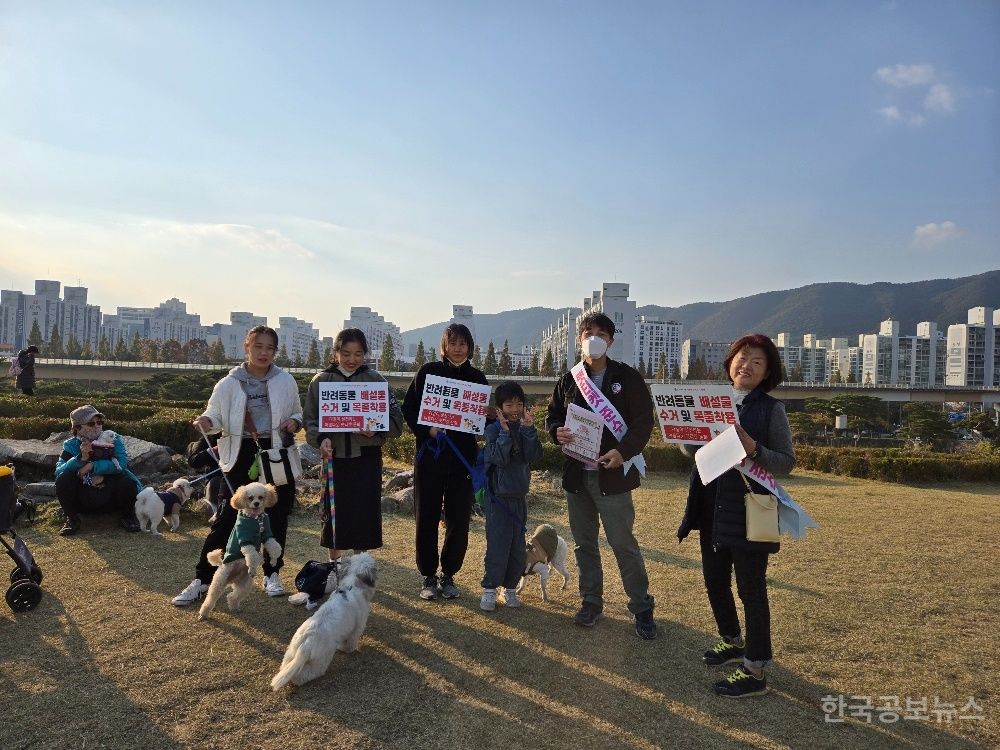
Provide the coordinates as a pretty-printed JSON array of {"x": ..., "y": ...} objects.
[{"x": 828, "y": 309}]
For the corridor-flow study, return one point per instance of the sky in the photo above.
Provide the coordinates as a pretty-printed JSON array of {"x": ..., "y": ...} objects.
[{"x": 302, "y": 158}]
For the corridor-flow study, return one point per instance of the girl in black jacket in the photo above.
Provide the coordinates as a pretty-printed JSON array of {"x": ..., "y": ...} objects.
[
  {"x": 442, "y": 478},
  {"x": 717, "y": 511}
]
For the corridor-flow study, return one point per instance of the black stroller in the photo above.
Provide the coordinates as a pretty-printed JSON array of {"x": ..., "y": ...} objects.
[{"x": 25, "y": 579}]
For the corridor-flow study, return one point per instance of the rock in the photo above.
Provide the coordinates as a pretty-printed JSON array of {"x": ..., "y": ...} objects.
[
  {"x": 403, "y": 500},
  {"x": 388, "y": 505},
  {"x": 400, "y": 481},
  {"x": 58, "y": 437},
  {"x": 310, "y": 455},
  {"x": 40, "y": 489},
  {"x": 146, "y": 458},
  {"x": 34, "y": 454}
]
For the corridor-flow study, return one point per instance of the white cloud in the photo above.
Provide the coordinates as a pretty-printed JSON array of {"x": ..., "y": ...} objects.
[
  {"x": 536, "y": 274},
  {"x": 932, "y": 233},
  {"x": 264, "y": 242},
  {"x": 894, "y": 114},
  {"x": 901, "y": 76},
  {"x": 940, "y": 99},
  {"x": 890, "y": 113}
]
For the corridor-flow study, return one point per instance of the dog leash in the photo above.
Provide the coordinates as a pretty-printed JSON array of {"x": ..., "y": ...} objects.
[
  {"x": 441, "y": 439},
  {"x": 329, "y": 504},
  {"x": 211, "y": 452}
]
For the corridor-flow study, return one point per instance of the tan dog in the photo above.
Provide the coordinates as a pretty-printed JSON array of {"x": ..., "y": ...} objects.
[
  {"x": 238, "y": 562},
  {"x": 546, "y": 550}
]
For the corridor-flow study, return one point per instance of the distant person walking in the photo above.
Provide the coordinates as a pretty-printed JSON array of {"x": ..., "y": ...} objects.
[{"x": 25, "y": 365}]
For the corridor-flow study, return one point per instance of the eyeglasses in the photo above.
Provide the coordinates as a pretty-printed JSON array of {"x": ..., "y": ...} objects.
[{"x": 95, "y": 422}]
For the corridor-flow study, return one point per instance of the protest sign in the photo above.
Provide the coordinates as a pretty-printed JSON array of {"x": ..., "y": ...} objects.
[
  {"x": 587, "y": 428},
  {"x": 693, "y": 413},
  {"x": 353, "y": 407},
  {"x": 454, "y": 404}
]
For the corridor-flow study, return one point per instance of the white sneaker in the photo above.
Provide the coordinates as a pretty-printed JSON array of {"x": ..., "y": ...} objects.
[
  {"x": 194, "y": 591},
  {"x": 272, "y": 585},
  {"x": 510, "y": 598},
  {"x": 488, "y": 601}
]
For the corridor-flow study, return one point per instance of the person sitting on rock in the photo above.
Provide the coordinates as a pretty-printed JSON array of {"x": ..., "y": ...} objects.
[{"x": 78, "y": 463}]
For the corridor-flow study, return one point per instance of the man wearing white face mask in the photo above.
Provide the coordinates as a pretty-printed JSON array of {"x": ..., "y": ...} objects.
[{"x": 603, "y": 494}]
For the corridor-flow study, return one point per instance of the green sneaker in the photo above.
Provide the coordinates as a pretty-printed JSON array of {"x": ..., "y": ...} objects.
[{"x": 741, "y": 684}]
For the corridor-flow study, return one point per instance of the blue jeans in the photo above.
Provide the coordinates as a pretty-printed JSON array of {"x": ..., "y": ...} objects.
[
  {"x": 589, "y": 509},
  {"x": 506, "y": 554}
]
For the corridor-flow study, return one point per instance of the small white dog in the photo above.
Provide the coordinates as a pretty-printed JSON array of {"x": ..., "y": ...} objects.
[
  {"x": 546, "y": 550},
  {"x": 152, "y": 506},
  {"x": 336, "y": 626},
  {"x": 238, "y": 562}
]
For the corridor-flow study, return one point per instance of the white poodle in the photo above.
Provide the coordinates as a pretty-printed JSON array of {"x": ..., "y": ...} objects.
[
  {"x": 152, "y": 506},
  {"x": 238, "y": 563},
  {"x": 336, "y": 626}
]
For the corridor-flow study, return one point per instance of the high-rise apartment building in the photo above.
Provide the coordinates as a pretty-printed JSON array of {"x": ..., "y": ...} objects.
[
  {"x": 974, "y": 349},
  {"x": 656, "y": 337}
]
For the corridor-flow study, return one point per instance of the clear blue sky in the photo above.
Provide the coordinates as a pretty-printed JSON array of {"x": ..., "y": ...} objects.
[{"x": 300, "y": 158}]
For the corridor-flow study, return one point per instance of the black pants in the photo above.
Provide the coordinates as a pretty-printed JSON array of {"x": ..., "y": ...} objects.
[
  {"x": 28, "y": 391},
  {"x": 751, "y": 584},
  {"x": 218, "y": 535},
  {"x": 436, "y": 482},
  {"x": 116, "y": 493}
]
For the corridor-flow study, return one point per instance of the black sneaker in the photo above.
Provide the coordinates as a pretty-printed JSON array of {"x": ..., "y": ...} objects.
[
  {"x": 129, "y": 524},
  {"x": 588, "y": 615},
  {"x": 448, "y": 588},
  {"x": 741, "y": 684},
  {"x": 645, "y": 625},
  {"x": 71, "y": 526},
  {"x": 721, "y": 653},
  {"x": 430, "y": 589}
]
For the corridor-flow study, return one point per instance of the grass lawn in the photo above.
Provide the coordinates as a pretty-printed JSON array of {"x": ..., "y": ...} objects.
[{"x": 896, "y": 595}]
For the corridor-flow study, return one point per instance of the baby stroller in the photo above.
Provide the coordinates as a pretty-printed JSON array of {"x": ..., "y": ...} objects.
[{"x": 25, "y": 590}]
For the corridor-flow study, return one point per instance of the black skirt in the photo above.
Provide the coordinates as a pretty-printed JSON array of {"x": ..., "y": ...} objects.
[{"x": 357, "y": 495}]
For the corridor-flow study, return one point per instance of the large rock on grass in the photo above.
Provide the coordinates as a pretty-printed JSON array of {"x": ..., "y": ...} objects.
[{"x": 40, "y": 456}]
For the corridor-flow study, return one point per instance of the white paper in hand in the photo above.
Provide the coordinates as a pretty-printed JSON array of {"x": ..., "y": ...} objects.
[{"x": 720, "y": 455}]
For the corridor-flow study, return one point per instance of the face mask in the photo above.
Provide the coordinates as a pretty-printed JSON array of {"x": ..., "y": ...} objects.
[{"x": 594, "y": 347}]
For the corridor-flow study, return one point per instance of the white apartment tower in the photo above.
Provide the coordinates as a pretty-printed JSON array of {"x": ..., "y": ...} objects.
[
  {"x": 973, "y": 349},
  {"x": 656, "y": 337}
]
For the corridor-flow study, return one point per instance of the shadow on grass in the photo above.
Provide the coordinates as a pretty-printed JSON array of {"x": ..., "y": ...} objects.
[
  {"x": 53, "y": 694},
  {"x": 531, "y": 674}
]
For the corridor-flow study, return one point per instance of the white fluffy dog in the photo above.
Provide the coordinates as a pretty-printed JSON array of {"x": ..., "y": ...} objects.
[
  {"x": 151, "y": 506},
  {"x": 546, "y": 551},
  {"x": 238, "y": 562},
  {"x": 336, "y": 626}
]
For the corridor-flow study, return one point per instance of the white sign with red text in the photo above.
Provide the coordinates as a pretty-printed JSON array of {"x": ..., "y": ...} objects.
[
  {"x": 693, "y": 413},
  {"x": 353, "y": 407},
  {"x": 454, "y": 404}
]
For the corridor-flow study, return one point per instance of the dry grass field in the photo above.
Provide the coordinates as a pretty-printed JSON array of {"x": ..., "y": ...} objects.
[{"x": 896, "y": 595}]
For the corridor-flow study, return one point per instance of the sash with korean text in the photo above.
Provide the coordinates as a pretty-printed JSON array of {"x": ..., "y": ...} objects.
[{"x": 607, "y": 412}]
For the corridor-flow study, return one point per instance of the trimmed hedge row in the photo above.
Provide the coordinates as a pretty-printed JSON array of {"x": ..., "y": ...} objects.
[{"x": 896, "y": 465}]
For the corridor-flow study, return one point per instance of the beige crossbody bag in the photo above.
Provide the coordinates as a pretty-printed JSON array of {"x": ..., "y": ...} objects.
[{"x": 762, "y": 515}]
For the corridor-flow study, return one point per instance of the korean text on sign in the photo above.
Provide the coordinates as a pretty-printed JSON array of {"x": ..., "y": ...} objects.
[
  {"x": 353, "y": 407},
  {"x": 693, "y": 413},
  {"x": 454, "y": 404}
]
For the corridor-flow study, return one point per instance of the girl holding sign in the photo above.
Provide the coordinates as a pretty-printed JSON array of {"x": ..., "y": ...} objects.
[
  {"x": 718, "y": 512},
  {"x": 440, "y": 476},
  {"x": 356, "y": 453}
]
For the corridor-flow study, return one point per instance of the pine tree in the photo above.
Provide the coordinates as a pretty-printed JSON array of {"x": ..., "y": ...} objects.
[
  {"x": 55, "y": 347},
  {"x": 103, "y": 349},
  {"x": 282, "y": 359},
  {"x": 172, "y": 351},
  {"x": 421, "y": 357},
  {"x": 312, "y": 361},
  {"x": 387, "y": 362},
  {"x": 490, "y": 360},
  {"x": 661, "y": 367},
  {"x": 477, "y": 358},
  {"x": 533, "y": 368},
  {"x": 73, "y": 347},
  {"x": 642, "y": 365},
  {"x": 835, "y": 377},
  {"x": 121, "y": 351},
  {"x": 505, "y": 367},
  {"x": 35, "y": 336},
  {"x": 519, "y": 370},
  {"x": 328, "y": 354},
  {"x": 548, "y": 367},
  {"x": 298, "y": 362},
  {"x": 87, "y": 351},
  {"x": 564, "y": 367},
  {"x": 217, "y": 353},
  {"x": 135, "y": 349},
  {"x": 433, "y": 355},
  {"x": 675, "y": 371}
]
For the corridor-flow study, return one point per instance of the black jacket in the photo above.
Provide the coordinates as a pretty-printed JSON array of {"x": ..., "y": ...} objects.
[
  {"x": 464, "y": 441},
  {"x": 718, "y": 508},
  {"x": 625, "y": 388}
]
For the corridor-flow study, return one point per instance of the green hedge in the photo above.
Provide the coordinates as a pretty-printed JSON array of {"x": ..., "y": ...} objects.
[{"x": 897, "y": 465}]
